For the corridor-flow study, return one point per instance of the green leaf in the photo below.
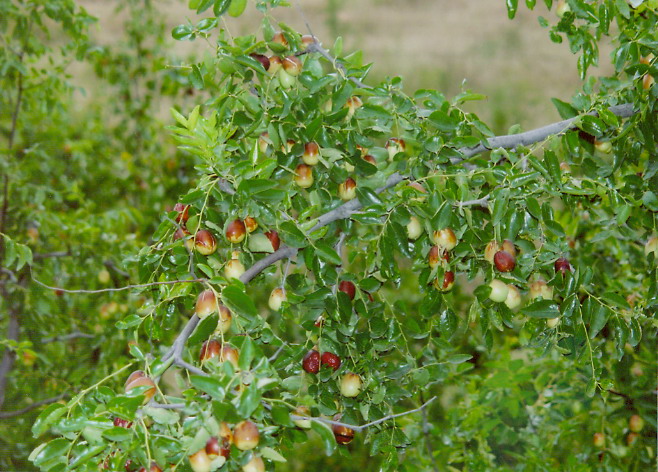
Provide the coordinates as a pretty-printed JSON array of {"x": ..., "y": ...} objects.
[
  {"x": 118, "y": 434},
  {"x": 54, "y": 451},
  {"x": 209, "y": 385},
  {"x": 281, "y": 415},
  {"x": 239, "y": 302},
  {"x": 542, "y": 309},
  {"x": 292, "y": 235},
  {"x": 327, "y": 253},
  {"x": 47, "y": 417},
  {"x": 367, "y": 196},
  {"x": 600, "y": 315},
  {"x": 565, "y": 110},
  {"x": 248, "y": 401},
  {"x": 326, "y": 435},
  {"x": 459, "y": 358},
  {"x": 271, "y": 454},
  {"x": 650, "y": 200},
  {"x": 443, "y": 122}
]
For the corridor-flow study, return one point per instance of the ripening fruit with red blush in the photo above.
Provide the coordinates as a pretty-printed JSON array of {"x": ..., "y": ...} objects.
[
  {"x": 395, "y": 146},
  {"x": 183, "y": 212},
  {"x": 490, "y": 251},
  {"x": 304, "y": 176},
  {"x": 343, "y": 434},
  {"x": 121, "y": 423},
  {"x": 280, "y": 38},
  {"x": 347, "y": 190},
  {"x": 246, "y": 435},
  {"x": 636, "y": 423},
  {"x": 205, "y": 242},
  {"x": 292, "y": 65},
  {"x": 599, "y": 440},
  {"x": 562, "y": 265},
  {"x": 199, "y": 461},
  {"x": 311, "y": 362},
  {"x": 210, "y": 349},
  {"x": 631, "y": 438},
  {"x": 504, "y": 261},
  {"x": 352, "y": 104},
  {"x": 348, "y": 288},
  {"x": 236, "y": 231},
  {"x": 330, "y": 359},
  {"x": 142, "y": 382},
  {"x": 445, "y": 239},
  {"x": 436, "y": 256},
  {"x": 311, "y": 154},
  {"x": 264, "y": 60},
  {"x": 250, "y": 224},
  {"x": 206, "y": 304},
  {"x": 448, "y": 281},
  {"x": 277, "y": 297},
  {"x": 273, "y": 236},
  {"x": 370, "y": 158},
  {"x": 183, "y": 233},
  {"x": 307, "y": 40},
  {"x": 276, "y": 63},
  {"x": 508, "y": 246}
]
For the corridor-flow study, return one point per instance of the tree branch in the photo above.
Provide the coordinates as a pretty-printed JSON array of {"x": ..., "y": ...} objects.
[
  {"x": 67, "y": 337},
  {"x": 47, "y": 401},
  {"x": 479, "y": 202},
  {"x": 539, "y": 134},
  {"x": 359, "y": 428},
  {"x": 119, "y": 289},
  {"x": 316, "y": 47},
  {"x": 48, "y": 255}
]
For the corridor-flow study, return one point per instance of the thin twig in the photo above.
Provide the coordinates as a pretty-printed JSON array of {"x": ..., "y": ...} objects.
[
  {"x": 111, "y": 265},
  {"x": 119, "y": 289},
  {"x": 483, "y": 202},
  {"x": 359, "y": 428},
  {"x": 186, "y": 365},
  {"x": 428, "y": 442},
  {"x": 274, "y": 356},
  {"x": 316, "y": 47},
  {"x": 67, "y": 337},
  {"x": 47, "y": 401}
]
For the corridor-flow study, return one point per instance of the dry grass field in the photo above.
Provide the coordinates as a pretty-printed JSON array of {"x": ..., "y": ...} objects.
[{"x": 441, "y": 44}]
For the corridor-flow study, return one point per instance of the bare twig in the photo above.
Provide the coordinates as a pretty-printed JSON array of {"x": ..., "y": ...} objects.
[
  {"x": 168, "y": 406},
  {"x": 119, "y": 289},
  {"x": 426, "y": 433},
  {"x": 47, "y": 401},
  {"x": 276, "y": 354},
  {"x": 67, "y": 337},
  {"x": 359, "y": 428},
  {"x": 316, "y": 47},
  {"x": 479, "y": 202},
  {"x": 9, "y": 356}
]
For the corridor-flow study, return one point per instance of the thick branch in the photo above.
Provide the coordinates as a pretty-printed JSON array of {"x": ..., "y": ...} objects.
[
  {"x": 347, "y": 209},
  {"x": 47, "y": 401},
  {"x": 539, "y": 134}
]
